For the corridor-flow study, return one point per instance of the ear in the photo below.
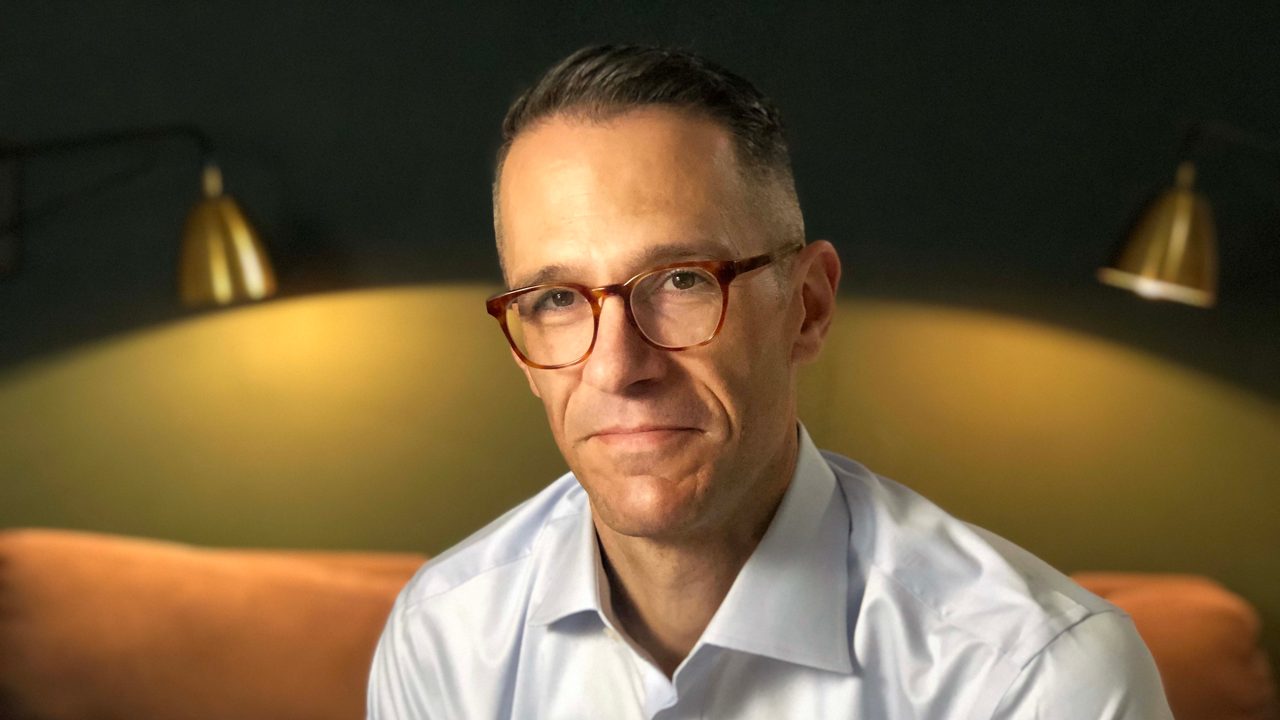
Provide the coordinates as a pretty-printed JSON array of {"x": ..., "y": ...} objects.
[
  {"x": 527, "y": 374},
  {"x": 818, "y": 267}
]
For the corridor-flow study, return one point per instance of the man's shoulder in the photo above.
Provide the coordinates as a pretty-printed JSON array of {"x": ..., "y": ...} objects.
[
  {"x": 454, "y": 633},
  {"x": 966, "y": 583},
  {"x": 498, "y": 548}
]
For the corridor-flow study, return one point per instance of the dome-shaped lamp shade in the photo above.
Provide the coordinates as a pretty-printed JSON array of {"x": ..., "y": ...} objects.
[
  {"x": 223, "y": 260},
  {"x": 1172, "y": 252}
]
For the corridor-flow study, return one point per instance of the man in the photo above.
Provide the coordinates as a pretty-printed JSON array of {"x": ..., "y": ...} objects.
[{"x": 703, "y": 559}]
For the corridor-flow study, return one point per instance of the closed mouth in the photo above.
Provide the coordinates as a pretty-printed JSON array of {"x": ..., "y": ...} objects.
[{"x": 646, "y": 436}]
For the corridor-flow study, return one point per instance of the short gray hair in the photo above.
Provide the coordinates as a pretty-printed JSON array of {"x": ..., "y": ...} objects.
[{"x": 600, "y": 82}]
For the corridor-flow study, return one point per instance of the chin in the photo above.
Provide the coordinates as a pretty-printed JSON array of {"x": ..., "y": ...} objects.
[{"x": 651, "y": 506}]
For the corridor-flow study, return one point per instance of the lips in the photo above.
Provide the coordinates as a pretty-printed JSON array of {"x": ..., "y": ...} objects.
[
  {"x": 637, "y": 429},
  {"x": 642, "y": 437}
]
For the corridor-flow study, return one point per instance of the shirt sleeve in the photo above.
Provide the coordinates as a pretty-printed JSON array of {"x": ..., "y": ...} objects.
[
  {"x": 1099, "y": 669},
  {"x": 396, "y": 679}
]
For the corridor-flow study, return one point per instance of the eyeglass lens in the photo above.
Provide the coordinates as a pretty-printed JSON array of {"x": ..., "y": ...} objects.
[{"x": 673, "y": 308}]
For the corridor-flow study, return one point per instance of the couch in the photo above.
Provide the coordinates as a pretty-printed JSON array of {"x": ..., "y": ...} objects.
[{"x": 99, "y": 627}]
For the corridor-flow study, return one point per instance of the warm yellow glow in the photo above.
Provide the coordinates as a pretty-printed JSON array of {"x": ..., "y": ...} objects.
[
  {"x": 972, "y": 389},
  {"x": 396, "y": 418}
]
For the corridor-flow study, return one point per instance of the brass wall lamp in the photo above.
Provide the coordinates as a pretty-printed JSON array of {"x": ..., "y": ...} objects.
[
  {"x": 1171, "y": 252},
  {"x": 223, "y": 259}
]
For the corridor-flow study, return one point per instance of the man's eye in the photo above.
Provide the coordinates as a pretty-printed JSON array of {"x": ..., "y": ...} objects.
[
  {"x": 684, "y": 280},
  {"x": 555, "y": 299}
]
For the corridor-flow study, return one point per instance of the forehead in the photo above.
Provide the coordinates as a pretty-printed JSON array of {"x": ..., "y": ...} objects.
[{"x": 593, "y": 201}]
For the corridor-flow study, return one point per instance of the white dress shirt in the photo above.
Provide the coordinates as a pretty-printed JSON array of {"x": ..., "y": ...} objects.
[{"x": 862, "y": 600}]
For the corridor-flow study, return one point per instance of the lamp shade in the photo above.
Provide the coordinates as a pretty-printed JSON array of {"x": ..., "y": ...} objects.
[
  {"x": 223, "y": 260},
  {"x": 1172, "y": 251}
]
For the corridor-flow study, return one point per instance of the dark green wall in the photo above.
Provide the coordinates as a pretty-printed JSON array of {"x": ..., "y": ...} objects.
[{"x": 986, "y": 158}]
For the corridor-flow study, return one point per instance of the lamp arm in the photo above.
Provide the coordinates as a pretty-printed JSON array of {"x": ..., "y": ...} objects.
[
  {"x": 26, "y": 215},
  {"x": 13, "y": 216},
  {"x": 21, "y": 153},
  {"x": 75, "y": 143}
]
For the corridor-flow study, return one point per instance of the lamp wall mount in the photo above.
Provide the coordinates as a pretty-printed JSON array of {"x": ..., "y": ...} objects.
[
  {"x": 15, "y": 216},
  {"x": 223, "y": 258}
]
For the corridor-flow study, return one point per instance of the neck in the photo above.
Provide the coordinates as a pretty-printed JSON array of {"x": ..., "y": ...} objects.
[{"x": 665, "y": 592}]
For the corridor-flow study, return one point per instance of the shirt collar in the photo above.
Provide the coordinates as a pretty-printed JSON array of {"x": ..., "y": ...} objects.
[
  {"x": 788, "y": 601},
  {"x": 571, "y": 576}
]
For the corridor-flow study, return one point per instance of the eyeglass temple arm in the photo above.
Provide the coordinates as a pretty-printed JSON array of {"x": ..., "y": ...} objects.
[{"x": 746, "y": 265}]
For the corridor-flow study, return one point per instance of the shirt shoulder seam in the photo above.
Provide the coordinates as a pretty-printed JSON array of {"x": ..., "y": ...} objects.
[
  {"x": 1003, "y": 653},
  {"x": 1014, "y": 677}
]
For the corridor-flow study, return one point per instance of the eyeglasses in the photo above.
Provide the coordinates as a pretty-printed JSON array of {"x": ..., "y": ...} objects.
[{"x": 674, "y": 307}]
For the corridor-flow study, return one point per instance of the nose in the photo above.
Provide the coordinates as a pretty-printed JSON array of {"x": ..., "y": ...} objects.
[{"x": 621, "y": 360}]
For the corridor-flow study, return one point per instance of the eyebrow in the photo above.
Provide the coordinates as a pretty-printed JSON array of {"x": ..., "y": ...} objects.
[{"x": 652, "y": 256}]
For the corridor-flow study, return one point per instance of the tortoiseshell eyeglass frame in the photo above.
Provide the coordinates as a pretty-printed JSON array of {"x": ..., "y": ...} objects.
[{"x": 725, "y": 271}]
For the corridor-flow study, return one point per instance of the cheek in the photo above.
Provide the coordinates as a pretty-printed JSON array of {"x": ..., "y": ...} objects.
[
  {"x": 722, "y": 389},
  {"x": 554, "y": 390},
  {"x": 751, "y": 373}
]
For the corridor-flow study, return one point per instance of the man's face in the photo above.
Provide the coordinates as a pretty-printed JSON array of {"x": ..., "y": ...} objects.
[{"x": 666, "y": 444}]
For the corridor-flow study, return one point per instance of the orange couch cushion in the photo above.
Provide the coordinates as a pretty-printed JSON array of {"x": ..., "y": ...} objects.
[{"x": 97, "y": 627}]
